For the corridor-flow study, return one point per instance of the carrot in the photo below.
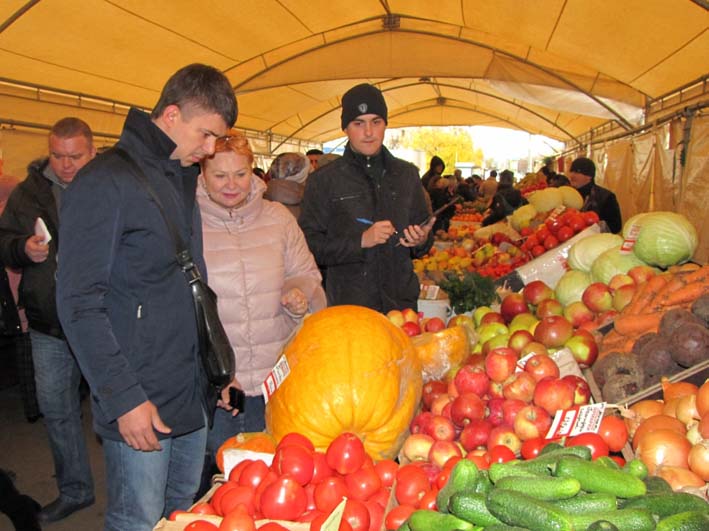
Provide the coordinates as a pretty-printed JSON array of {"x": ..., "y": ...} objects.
[
  {"x": 645, "y": 293},
  {"x": 675, "y": 281},
  {"x": 700, "y": 275},
  {"x": 690, "y": 292},
  {"x": 638, "y": 324}
]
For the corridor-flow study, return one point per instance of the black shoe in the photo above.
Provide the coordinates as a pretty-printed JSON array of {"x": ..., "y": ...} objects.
[{"x": 60, "y": 509}]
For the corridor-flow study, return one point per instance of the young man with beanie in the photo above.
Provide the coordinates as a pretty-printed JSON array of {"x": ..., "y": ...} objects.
[
  {"x": 362, "y": 214},
  {"x": 602, "y": 201}
]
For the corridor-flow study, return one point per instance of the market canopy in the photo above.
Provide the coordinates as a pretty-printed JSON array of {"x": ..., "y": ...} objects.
[{"x": 551, "y": 67}]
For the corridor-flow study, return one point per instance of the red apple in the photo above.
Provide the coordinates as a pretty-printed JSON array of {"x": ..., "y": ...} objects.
[
  {"x": 511, "y": 305},
  {"x": 553, "y": 394},
  {"x": 420, "y": 421},
  {"x": 578, "y": 313},
  {"x": 535, "y": 347},
  {"x": 475, "y": 434},
  {"x": 411, "y": 328},
  {"x": 510, "y": 408},
  {"x": 504, "y": 434},
  {"x": 621, "y": 279},
  {"x": 467, "y": 407},
  {"x": 417, "y": 447},
  {"x": 461, "y": 320},
  {"x": 494, "y": 409},
  {"x": 435, "y": 324},
  {"x": 442, "y": 451},
  {"x": 495, "y": 390},
  {"x": 431, "y": 390},
  {"x": 410, "y": 315},
  {"x": 537, "y": 291},
  {"x": 472, "y": 379},
  {"x": 396, "y": 317},
  {"x": 598, "y": 297},
  {"x": 519, "y": 339},
  {"x": 582, "y": 392},
  {"x": 500, "y": 363},
  {"x": 476, "y": 360},
  {"x": 440, "y": 402},
  {"x": 523, "y": 321},
  {"x": 606, "y": 317},
  {"x": 520, "y": 386},
  {"x": 440, "y": 428},
  {"x": 540, "y": 366},
  {"x": 584, "y": 349},
  {"x": 549, "y": 307},
  {"x": 622, "y": 296},
  {"x": 491, "y": 317},
  {"x": 452, "y": 389},
  {"x": 641, "y": 273},
  {"x": 532, "y": 422},
  {"x": 553, "y": 331}
]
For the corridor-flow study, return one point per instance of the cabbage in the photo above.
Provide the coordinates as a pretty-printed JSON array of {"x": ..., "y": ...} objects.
[
  {"x": 571, "y": 197},
  {"x": 521, "y": 217},
  {"x": 585, "y": 251},
  {"x": 665, "y": 238},
  {"x": 571, "y": 286},
  {"x": 546, "y": 199},
  {"x": 612, "y": 262}
]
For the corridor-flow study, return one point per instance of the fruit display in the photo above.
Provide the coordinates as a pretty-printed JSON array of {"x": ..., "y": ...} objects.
[
  {"x": 555, "y": 230},
  {"x": 531, "y": 182}
]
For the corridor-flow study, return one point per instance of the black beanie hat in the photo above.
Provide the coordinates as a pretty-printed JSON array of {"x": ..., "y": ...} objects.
[
  {"x": 362, "y": 99},
  {"x": 585, "y": 166}
]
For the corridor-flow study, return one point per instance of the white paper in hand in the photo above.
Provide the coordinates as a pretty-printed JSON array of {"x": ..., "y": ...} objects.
[{"x": 40, "y": 229}]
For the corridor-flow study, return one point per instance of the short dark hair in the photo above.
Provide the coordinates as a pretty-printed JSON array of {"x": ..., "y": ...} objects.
[
  {"x": 71, "y": 126},
  {"x": 202, "y": 86},
  {"x": 314, "y": 151}
]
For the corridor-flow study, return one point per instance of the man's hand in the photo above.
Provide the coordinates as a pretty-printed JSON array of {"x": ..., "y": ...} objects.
[
  {"x": 416, "y": 235},
  {"x": 295, "y": 302},
  {"x": 138, "y": 426},
  {"x": 35, "y": 249},
  {"x": 378, "y": 233},
  {"x": 223, "y": 401}
]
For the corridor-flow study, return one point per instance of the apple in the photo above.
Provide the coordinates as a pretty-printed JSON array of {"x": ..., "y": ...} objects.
[
  {"x": 411, "y": 328},
  {"x": 495, "y": 342},
  {"x": 475, "y": 434},
  {"x": 553, "y": 394},
  {"x": 495, "y": 390},
  {"x": 452, "y": 389},
  {"x": 461, "y": 320},
  {"x": 584, "y": 349},
  {"x": 540, "y": 366},
  {"x": 520, "y": 339},
  {"x": 417, "y": 447},
  {"x": 598, "y": 297},
  {"x": 440, "y": 428},
  {"x": 519, "y": 386},
  {"x": 410, "y": 315},
  {"x": 476, "y": 359},
  {"x": 492, "y": 317},
  {"x": 578, "y": 313},
  {"x": 441, "y": 451},
  {"x": 490, "y": 330},
  {"x": 553, "y": 331},
  {"x": 620, "y": 279},
  {"x": 510, "y": 409},
  {"x": 440, "y": 402},
  {"x": 500, "y": 363},
  {"x": 434, "y": 324},
  {"x": 549, "y": 307},
  {"x": 396, "y": 317},
  {"x": 479, "y": 312},
  {"x": 622, "y": 296},
  {"x": 641, "y": 273},
  {"x": 472, "y": 379},
  {"x": 465, "y": 408},
  {"x": 505, "y": 435},
  {"x": 537, "y": 291},
  {"x": 582, "y": 391},
  {"x": 420, "y": 421},
  {"x": 431, "y": 390},
  {"x": 532, "y": 422},
  {"x": 523, "y": 321},
  {"x": 535, "y": 347},
  {"x": 494, "y": 411},
  {"x": 512, "y": 305}
]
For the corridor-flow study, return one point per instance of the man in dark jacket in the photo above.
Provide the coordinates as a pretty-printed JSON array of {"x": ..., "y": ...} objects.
[
  {"x": 57, "y": 375},
  {"x": 362, "y": 214},
  {"x": 602, "y": 201},
  {"x": 126, "y": 306}
]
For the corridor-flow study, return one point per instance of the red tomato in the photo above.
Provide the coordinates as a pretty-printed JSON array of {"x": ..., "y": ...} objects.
[
  {"x": 576, "y": 223},
  {"x": 308, "y": 516},
  {"x": 329, "y": 492},
  {"x": 238, "y": 469},
  {"x": 619, "y": 460},
  {"x": 564, "y": 233},
  {"x": 450, "y": 463},
  {"x": 382, "y": 497},
  {"x": 296, "y": 461},
  {"x": 201, "y": 525},
  {"x": 357, "y": 515},
  {"x": 553, "y": 224},
  {"x": 239, "y": 495},
  {"x": 531, "y": 447},
  {"x": 411, "y": 484},
  {"x": 272, "y": 526},
  {"x": 376, "y": 515},
  {"x": 482, "y": 461},
  {"x": 550, "y": 242},
  {"x": 428, "y": 500},
  {"x": 397, "y": 516},
  {"x": 253, "y": 473},
  {"x": 442, "y": 478},
  {"x": 203, "y": 508},
  {"x": 542, "y": 233},
  {"x": 321, "y": 469},
  {"x": 310, "y": 496},
  {"x": 217, "y": 496},
  {"x": 268, "y": 480},
  {"x": 500, "y": 454},
  {"x": 386, "y": 470},
  {"x": 297, "y": 439},
  {"x": 238, "y": 520},
  {"x": 284, "y": 499},
  {"x": 593, "y": 441},
  {"x": 345, "y": 453},
  {"x": 531, "y": 241},
  {"x": 538, "y": 250},
  {"x": 614, "y": 432},
  {"x": 590, "y": 217},
  {"x": 362, "y": 483}
]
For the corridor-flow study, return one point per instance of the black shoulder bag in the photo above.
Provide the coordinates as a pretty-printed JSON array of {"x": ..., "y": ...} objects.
[{"x": 214, "y": 347}]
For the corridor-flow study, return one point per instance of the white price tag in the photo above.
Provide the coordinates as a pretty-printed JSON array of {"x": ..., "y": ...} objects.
[
  {"x": 571, "y": 422},
  {"x": 275, "y": 378},
  {"x": 629, "y": 242}
]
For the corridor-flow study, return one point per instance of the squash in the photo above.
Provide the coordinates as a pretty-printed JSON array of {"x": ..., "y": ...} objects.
[
  {"x": 257, "y": 441},
  {"x": 351, "y": 370},
  {"x": 439, "y": 352}
]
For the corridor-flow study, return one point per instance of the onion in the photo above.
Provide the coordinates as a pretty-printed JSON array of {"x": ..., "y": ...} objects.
[
  {"x": 693, "y": 435},
  {"x": 638, "y": 412},
  {"x": 699, "y": 460},
  {"x": 670, "y": 407},
  {"x": 679, "y": 478},
  {"x": 703, "y": 399},
  {"x": 658, "y": 422},
  {"x": 704, "y": 427},
  {"x": 677, "y": 389},
  {"x": 687, "y": 409},
  {"x": 663, "y": 448}
]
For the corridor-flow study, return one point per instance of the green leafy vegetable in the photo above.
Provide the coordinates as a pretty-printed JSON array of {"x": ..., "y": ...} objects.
[{"x": 468, "y": 291}]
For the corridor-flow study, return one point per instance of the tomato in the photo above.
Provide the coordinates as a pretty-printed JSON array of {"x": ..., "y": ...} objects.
[
  {"x": 397, "y": 516},
  {"x": 451, "y": 461},
  {"x": 500, "y": 454},
  {"x": 386, "y": 470},
  {"x": 310, "y": 496},
  {"x": 239, "y": 495},
  {"x": 376, "y": 514},
  {"x": 538, "y": 250},
  {"x": 329, "y": 492},
  {"x": 362, "y": 483},
  {"x": 238, "y": 520},
  {"x": 428, "y": 500},
  {"x": 321, "y": 469},
  {"x": 412, "y": 483},
  {"x": 201, "y": 525},
  {"x": 268, "y": 480},
  {"x": 590, "y": 217},
  {"x": 357, "y": 515},
  {"x": 284, "y": 499},
  {"x": 272, "y": 526},
  {"x": 564, "y": 233},
  {"x": 308, "y": 516},
  {"x": 217, "y": 496},
  {"x": 297, "y": 439},
  {"x": 296, "y": 461},
  {"x": 614, "y": 432},
  {"x": 442, "y": 478},
  {"x": 553, "y": 224},
  {"x": 576, "y": 223},
  {"x": 203, "y": 508},
  {"x": 619, "y": 460},
  {"x": 238, "y": 469},
  {"x": 482, "y": 461},
  {"x": 550, "y": 242},
  {"x": 542, "y": 233},
  {"x": 593, "y": 441},
  {"x": 531, "y": 447},
  {"x": 253, "y": 473},
  {"x": 382, "y": 497},
  {"x": 345, "y": 454}
]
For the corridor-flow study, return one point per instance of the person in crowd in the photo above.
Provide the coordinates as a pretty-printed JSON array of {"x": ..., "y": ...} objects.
[
  {"x": 314, "y": 158},
  {"x": 260, "y": 267},
  {"x": 582, "y": 175},
  {"x": 547, "y": 170},
  {"x": 23, "y": 247},
  {"x": 458, "y": 174},
  {"x": 286, "y": 185},
  {"x": 446, "y": 190},
  {"x": 557, "y": 180},
  {"x": 505, "y": 200},
  {"x": 435, "y": 168},
  {"x": 258, "y": 172},
  {"x": 327, "y": 158},
  {"x": 125, "y": 303},
  {"x": 492, "y": 175},
  {"x": 486, "y": 193},
  {"x": 363, "y": 215}
]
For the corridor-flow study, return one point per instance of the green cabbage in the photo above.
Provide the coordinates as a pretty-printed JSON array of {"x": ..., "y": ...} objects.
[
  {"x": 585, "y": 251},
  {"x": 612, "y": 262},
  {"x": 571, "y": 286},
  {"x": 665, "y": 238},
  {"x": 546, "y": 199},
  {"x": 571, "y": 197},
  {"x": 521, "y": 217}
]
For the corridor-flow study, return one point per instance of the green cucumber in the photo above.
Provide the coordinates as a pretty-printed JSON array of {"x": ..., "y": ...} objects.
[
  {"x": 687, "y": 521},
  {"x": 602, "y": 525},
  {"x": 625, "y": 519},
  {"x": 497, "y": 471},
  {"x": 597, "y": 478},
  {"x": 657, "y": 484},
  {"x": 588, "y": 503},
  {"x": 504, "y": 527},
  {"x": 425, "y": 520},
  {"x": 471, "y": 507},
  {"x": 550, "y": 448},
  {"x": 542, "y": 487},
  {"x": 668, "y": 503},
  {"x": 404, "y": 527},
  {"x": 637, "y": 468},
  {"x": 543, "y": 464},
  {"x": 607, "y": 462},
  {"x": 463, "y": 476},
  {"x": 515, "y": 508},
  {"x": 483, "y": 485}
]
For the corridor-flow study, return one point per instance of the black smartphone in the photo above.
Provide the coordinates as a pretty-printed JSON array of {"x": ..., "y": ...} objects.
[{"x": 237, "y": 399}]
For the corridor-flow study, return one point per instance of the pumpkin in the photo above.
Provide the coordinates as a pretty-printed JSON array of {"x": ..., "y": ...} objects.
[
  {"x": 351, "y": 370},
  {"x": 441, "y": 351},
  {"x": 257, "y": 441}
]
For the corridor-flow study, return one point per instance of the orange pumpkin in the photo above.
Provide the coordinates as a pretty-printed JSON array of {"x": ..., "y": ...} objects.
[
  {"x": 257, "y": 441},
  {"x": 351, "y": 370},
  {"x": 439, "y": 352}
]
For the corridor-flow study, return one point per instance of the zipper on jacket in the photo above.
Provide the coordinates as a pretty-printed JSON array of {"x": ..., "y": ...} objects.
[
  {"x": 345, "y": 197},
  {"x": 140, "y": 311}
]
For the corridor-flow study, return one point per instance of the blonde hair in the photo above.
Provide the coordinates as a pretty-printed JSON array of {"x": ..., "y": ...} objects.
[{"x": 236, "y": 142}]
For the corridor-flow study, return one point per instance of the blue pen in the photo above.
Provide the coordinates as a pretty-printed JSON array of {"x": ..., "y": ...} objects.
[{"x": 365, "y": 221}]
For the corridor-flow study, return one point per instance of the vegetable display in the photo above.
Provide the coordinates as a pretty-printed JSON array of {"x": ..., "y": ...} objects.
[{"x": 664, "y": 238}]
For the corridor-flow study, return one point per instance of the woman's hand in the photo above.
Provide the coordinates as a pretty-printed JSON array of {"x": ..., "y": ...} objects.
[{"x": 295, "y": 302}]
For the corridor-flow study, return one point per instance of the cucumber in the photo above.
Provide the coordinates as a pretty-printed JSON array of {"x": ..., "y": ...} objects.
[
  {"x": 669, "y": 503},
  {"x": 602, "y": 525},
  {"x": 543, "y": 464},
  {"x": 607, "y": 462},
  {"x": 636, "y": 468},
  {"x": 597, "y": 478},
  {"x": 588, "y": 503},
  {"x": 504, "y": 527},
  {"x": 542, "y": 487},
  {"x": 550, "y": 448},
  {"x": 471, "y": 507},
  {"x": 463, "y": 476},
  {"x": 625, "y": 519},
  {"x": 425, "y": 520},
  {"x": 657, "y": 484},
  {"x": 483, "y": 485},
  {"x": 497, "y": 471},
  {"x": 687, "y": 521},
  {"x": 404, "y": 527},
  {"x": 515, "y": 508}
]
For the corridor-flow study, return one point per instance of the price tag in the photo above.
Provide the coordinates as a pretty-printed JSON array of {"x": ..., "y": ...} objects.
[
  {"x": 522, "y": 362},
  {"x": 556, "y": 212},
  {"x": 571, "y": 422},
  {"x": 275, "y": 378},
  {"x": 332, "y": 522},
  {"x": 629, "y": 242},
  {"x": 429, "y": 291}
]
